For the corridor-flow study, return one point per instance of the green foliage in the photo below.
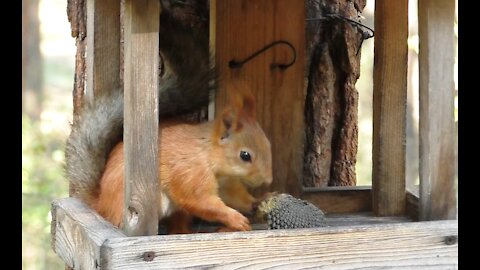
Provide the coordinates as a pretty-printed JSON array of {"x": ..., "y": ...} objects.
[{"x": 42, "y": 181}]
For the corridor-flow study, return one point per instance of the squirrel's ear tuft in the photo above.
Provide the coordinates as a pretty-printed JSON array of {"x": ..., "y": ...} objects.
[
  {"x": 228, "y": 120},
  {"x": 244, "y": 104},
  {"x": 242, "y": 99},
  {"x": 227, "y": 123},
  {"x": 248, "y": 105},
  {"x": 240, "y": 110}
]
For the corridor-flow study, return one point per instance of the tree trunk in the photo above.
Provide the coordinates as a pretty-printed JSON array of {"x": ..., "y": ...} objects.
[
  {"x": 32, "y": 61},
  {"x": 331, "y": 105}
]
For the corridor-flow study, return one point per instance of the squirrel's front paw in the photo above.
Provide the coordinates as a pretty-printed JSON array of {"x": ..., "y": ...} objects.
[
  {"x": 246, "y": 208},
  {"x": 237, "y": 221}
]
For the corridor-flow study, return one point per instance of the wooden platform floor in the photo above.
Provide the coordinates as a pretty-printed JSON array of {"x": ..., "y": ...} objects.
[
  {"x": 332, "y": 220},
  {"x": 365, "y": 218}
]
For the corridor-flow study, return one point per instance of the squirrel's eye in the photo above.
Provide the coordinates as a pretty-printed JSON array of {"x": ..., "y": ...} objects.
[{"x": 245, "y": 156}]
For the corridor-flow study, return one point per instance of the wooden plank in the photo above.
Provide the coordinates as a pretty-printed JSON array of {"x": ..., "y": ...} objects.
[
  {"x": 212, "y": 31},
  {"x": 364, "y": 218},
  {"x": 340, "y": 199},
  {"x": 141, "y": 48},
  {"x": 437, "y": 126},
  {"x": 389, "y": 107},
  {"x": 413, "y": 245},
  {"x": 242, "y": 28},
  {"x": 337, "y": 219},
  {"x": 103, "y": 46},
  {"x": 78, "y": 232}
]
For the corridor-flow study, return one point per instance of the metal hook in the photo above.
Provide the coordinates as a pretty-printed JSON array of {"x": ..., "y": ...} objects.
[{"x": 239, "y": 64}]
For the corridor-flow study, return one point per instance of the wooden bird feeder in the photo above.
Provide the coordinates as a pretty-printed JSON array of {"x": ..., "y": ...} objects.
[{"x": 384, "y": 225}]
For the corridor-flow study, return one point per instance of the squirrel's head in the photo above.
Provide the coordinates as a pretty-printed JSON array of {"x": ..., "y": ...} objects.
[{"x": 243, "y": 147}]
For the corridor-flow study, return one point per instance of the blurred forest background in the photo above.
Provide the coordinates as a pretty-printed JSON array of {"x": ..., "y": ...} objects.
[{"x": 48, "y": 57}]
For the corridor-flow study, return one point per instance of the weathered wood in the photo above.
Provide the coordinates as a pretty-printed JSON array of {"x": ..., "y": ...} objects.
[
  {"x": 141, "y": 78},
  {"x": 243, "y": 28},
  {"x": 413, "y": 245},
  {"x": 336, "y": 219},
  {"x": 78, "y": 232},
  {"x": 364, "y": 218},
  {"x": 77, "y": 16},
  {"x": 389, "y": 107},
  {"x": 79, "y": 79},
  {"x": 103, "y": 46},
  {"x": 340, "y": 199},
  {"x": 211, "y": 41},
  {"x": 331, "y": 106},
  {"x": 84, "y": 240},
  {"x": 437, "y": 126},
  {"x": 122, "y": 42}
]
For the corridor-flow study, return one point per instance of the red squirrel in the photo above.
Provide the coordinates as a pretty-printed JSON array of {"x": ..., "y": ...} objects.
[{"x": 203, "y": 167}]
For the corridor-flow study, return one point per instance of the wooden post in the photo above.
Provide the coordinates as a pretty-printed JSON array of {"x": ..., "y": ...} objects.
[
  {"x": 241, "y": 29},
  {"x": 141, "y": 78},
  {"x": 437, "y": 126},
  {"x": 103, "y": 46},
  {"x": 389, "y": 107}
]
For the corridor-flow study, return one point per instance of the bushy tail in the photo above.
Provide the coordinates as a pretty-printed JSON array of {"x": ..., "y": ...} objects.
[
  {"x": 96, "y": 130},
  {"x": 188, "y": 79}
]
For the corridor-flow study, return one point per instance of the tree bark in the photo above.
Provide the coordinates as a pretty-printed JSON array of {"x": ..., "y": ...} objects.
[
  {"x": 331, "y": 107},
  {"x": 76, "y": 12},
  {"x": 32, "y": 60},
  {"x": 77, "y": 16}
]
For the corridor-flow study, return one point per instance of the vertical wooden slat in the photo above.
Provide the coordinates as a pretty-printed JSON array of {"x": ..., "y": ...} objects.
[
  {"x": 103, "y": 46},
  {"x": 437, "y": 127},
  {"x": 242, "y": 28},
  {"x": 212, "y": 37},
  {"x": 389, "y": 107},
  {"x": 141, "y": 62}
]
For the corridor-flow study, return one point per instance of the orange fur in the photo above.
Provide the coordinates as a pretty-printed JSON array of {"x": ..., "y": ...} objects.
[
  {"x": 235, "y": 195},
  {"x": 109, "y": 203},
  {"x": 201, "y": 172}
]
